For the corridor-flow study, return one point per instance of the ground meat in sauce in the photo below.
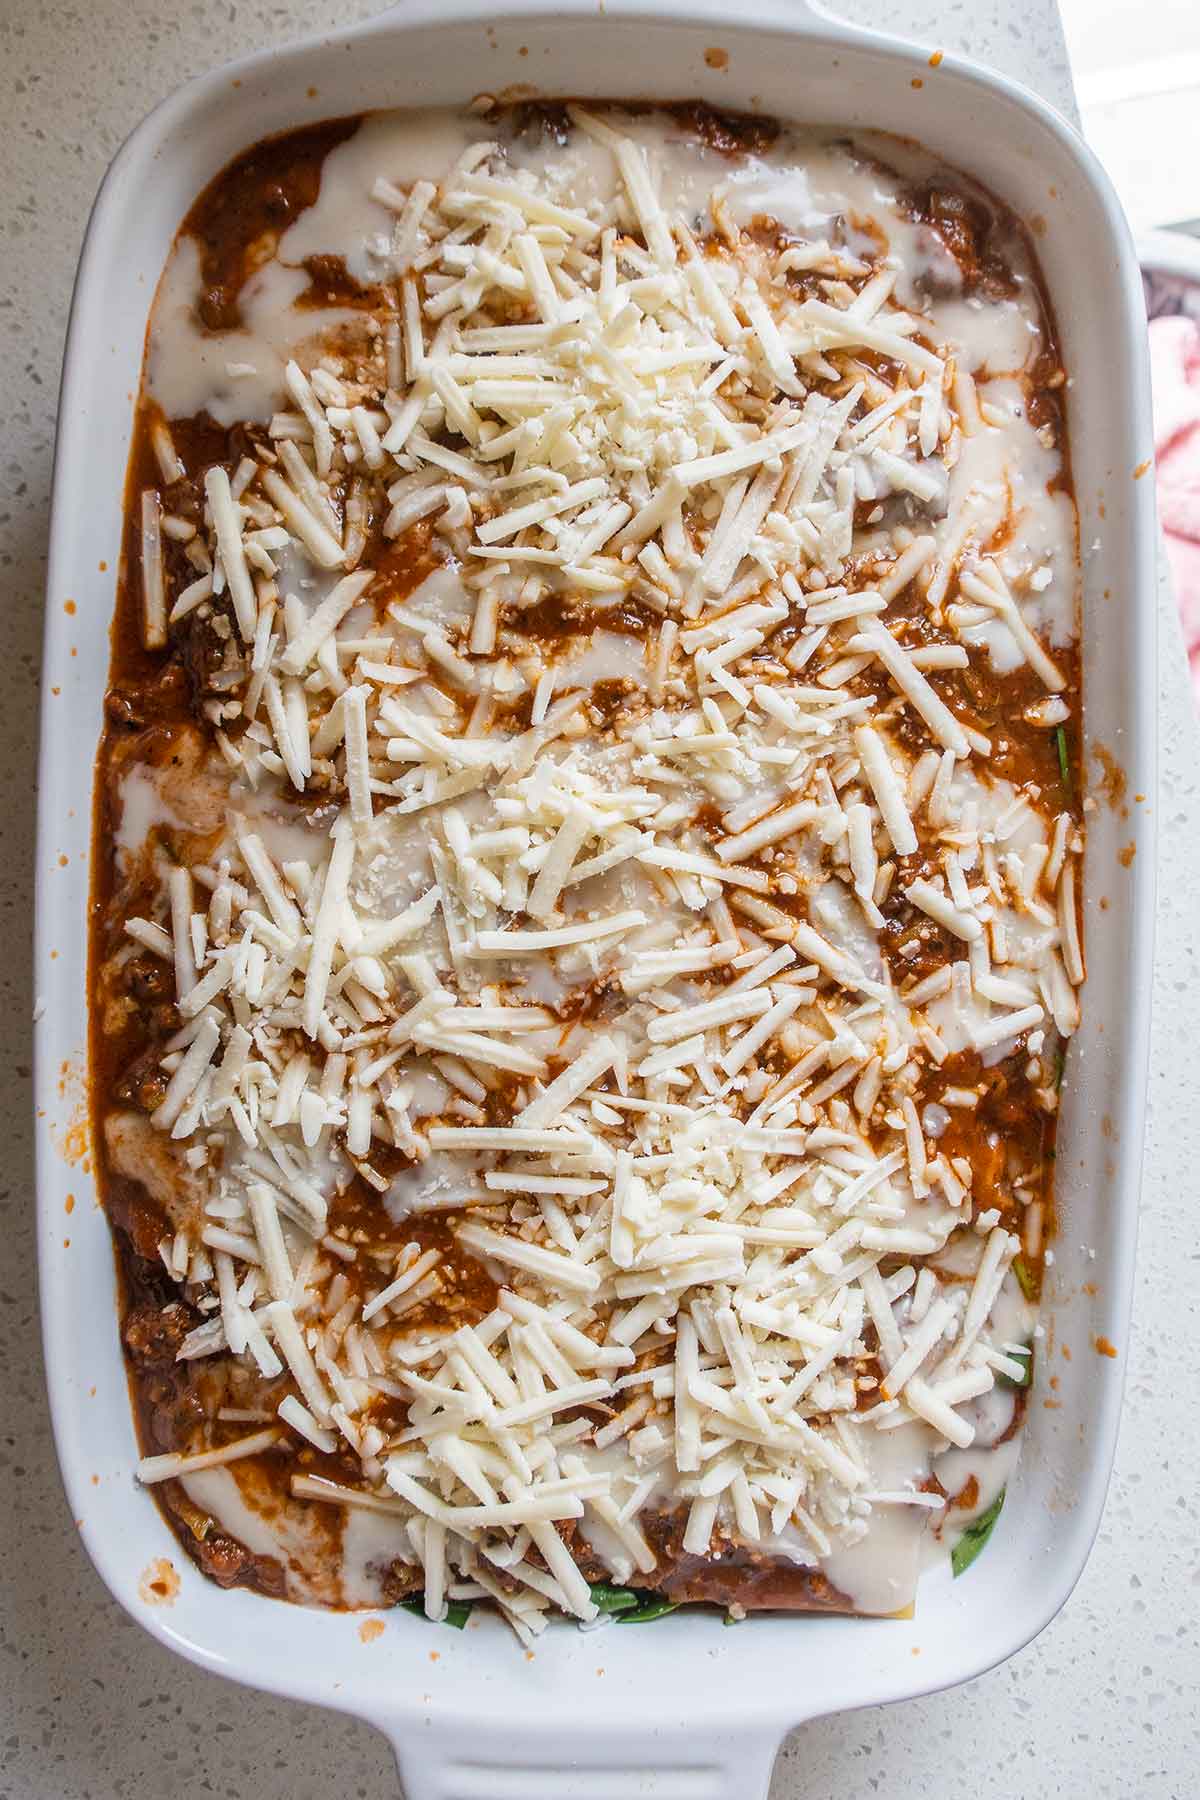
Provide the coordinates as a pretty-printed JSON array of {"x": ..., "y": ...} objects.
[
  {"x": 153, "y": 1334},
  {"x": 548, "y": 121},
  {"x": 610, "y": 698},
  {"x": 231, "y": 1565},
  {"x": 241, "y": 215},
  {"x": 566, "y": 615},
  {"x": 729, "y": 133},
  {"x": 331, "y": 284},
  {"x": 733, "y": 1574},
  {"x": 968, "y": 229}
]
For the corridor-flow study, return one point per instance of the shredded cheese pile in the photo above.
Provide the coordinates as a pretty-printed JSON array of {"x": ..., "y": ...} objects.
[{"x": 709, "y": 1197}]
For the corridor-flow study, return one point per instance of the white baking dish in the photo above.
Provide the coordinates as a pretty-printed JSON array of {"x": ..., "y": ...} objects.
[{"x": 686, "y": 1708}]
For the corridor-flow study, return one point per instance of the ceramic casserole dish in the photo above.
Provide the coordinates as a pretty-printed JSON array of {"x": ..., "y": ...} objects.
[{"x": 690, "y": 1708}]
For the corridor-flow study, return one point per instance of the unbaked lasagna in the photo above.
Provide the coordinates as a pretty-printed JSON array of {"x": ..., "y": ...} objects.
[{"x": 587, "y": 864}]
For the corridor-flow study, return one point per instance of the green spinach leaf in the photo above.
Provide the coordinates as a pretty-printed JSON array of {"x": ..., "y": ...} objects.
[
  {"x": 975, "y": 1537},
  {"x": 457, "y": 1611},
  {"x": 613, "y": 1599},
  {"x": 650, "y": 1606}
]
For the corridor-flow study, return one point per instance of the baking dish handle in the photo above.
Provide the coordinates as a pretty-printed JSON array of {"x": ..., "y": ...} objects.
[{"x": 444, "y": 1760}]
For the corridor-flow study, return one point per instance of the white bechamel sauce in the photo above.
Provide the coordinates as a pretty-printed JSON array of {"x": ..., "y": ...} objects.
[
  {"x": 422, "y": 1187},
  {"x": 143, "y": 809},
  {"x": 188, "y": 368},
  {"x": 285, "y": 833},
  {"x": 784, "y": 192},
  {"x": 879, "y": 1573},
  {"x": 400, "y": 146},
  {"x": 370, "y": 1542},
  {"x": 441, "y": 597},
  {"x": 1011, "y": 456},
  {"x": 992, "y": 1467},
  {"x": 399, "y": 869},
  {"x": 289, "y": 1533},
  {"x": 605, "y": 656},
  {"x": 988, "y": 1460}
]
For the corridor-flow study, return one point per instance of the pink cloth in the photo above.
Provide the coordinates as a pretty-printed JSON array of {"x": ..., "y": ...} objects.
[{"x": 1175, "y": 375}]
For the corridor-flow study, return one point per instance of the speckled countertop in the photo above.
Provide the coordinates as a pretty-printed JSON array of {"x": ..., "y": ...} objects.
[{"x": 1103, "y": 1704}]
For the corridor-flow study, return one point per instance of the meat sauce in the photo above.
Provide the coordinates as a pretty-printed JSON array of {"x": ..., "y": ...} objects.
[{"x": 243, "y": 212}]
